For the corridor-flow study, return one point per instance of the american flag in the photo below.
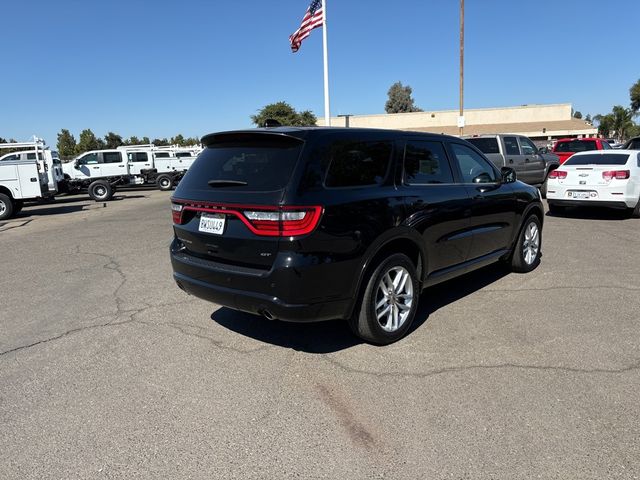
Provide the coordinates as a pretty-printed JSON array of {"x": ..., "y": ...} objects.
[{"x": 312, "y": 19}]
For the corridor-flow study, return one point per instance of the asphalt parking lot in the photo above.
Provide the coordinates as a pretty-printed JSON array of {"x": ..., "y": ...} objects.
[{"x": 108, "y": 370}]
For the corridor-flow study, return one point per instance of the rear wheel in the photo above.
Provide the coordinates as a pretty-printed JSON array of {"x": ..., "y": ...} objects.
[
  {"x": 526, "y": 255},
  {"x": 555, "y": 209},
  {"x": 389, "y": 302},
  {"x": 6, "y": 206},
  {"x": 100, "y": 191},
  {"x": 164, "y": 182},
  {"x": 635, "y": 213},
  {"x": 543, "y": 188}
]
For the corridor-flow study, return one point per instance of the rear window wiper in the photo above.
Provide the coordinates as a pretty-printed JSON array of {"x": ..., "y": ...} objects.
[{"x": 226, "y": 183}]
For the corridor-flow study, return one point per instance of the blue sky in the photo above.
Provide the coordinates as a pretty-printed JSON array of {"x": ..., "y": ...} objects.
[{"x": 192, "y": 67}]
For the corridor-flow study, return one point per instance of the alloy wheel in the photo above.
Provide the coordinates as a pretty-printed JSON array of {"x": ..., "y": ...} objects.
[{"x": 394, "y": 298}]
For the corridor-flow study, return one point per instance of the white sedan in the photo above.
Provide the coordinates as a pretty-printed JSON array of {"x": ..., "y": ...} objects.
[{"x": 604, "y": 178}]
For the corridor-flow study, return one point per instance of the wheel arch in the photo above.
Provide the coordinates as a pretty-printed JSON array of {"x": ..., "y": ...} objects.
[
  {"x": 7, "y": 192},
  {"x": 402, "y": 240}
]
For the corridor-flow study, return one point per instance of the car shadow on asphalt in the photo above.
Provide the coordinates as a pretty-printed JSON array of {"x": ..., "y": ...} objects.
[
  {"x": 335, "y": 335},
  {"x": 594, "y": 213},
  {"x": 49, "y": 210}
]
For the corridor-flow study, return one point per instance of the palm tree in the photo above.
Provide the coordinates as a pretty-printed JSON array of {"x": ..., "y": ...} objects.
[{"x": 622, "y": 121}]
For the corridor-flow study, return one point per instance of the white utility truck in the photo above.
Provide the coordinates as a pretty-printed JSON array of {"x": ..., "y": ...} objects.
[{"x": 26, "y": 173}]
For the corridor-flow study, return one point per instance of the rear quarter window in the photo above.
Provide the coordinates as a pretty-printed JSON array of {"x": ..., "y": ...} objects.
[
  {"x": 357, "y": 164},
  {"x": 485, "y": 145}
]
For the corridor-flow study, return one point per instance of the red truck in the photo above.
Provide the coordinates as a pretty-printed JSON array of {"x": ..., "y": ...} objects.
[{"x": 565, "y": 147}]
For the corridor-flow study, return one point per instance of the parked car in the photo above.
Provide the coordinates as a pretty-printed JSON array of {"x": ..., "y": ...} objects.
[
  {"x": 519, "y": 153},
  {"x": 633, "y": 144},
  {"x": 606, "y": 178},
  {"x": 565, "y": 147},
  {"x": 308, "y": 224}
]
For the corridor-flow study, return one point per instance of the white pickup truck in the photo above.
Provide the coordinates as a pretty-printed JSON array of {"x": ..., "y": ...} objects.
[
  {"x": 25, "y": 175},
  {"x": 101, "y": 171}
]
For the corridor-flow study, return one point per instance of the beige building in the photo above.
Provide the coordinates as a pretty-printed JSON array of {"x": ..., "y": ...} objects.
[{"x": 538, "y": 122}]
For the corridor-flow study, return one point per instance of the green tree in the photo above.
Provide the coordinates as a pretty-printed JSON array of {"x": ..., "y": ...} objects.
[
  {"x": 177, "y": 140},
  {"x": 285, "y": 114},
  {"x": 622, "y": 121},
  {"x": 400, "y": 100},
  {"x": 160, "y": 142},
  {"x": 133, "y": 140},
  {"x": 113, "y": 140},
  {"x": 88, "y": 141},
  {"x": 577, "y": 115},
  {"x": 66, "y": 144},
  {"x": 588, "y": 118},
  {"x": 605, "y": 124},
  {"x": 634, "y": 93},
  {"x": 146, "y": 141}
]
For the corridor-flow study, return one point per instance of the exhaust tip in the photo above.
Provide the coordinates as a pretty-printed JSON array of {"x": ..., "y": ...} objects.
[{"x": 267, "y": 314}]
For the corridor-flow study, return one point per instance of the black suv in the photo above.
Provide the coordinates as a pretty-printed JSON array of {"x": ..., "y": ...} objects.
[{"x": 307, "y": 224}]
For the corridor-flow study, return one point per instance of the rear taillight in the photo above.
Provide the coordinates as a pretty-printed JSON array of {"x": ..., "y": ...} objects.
[
  {"x": 559, "y": 174},
  {"x": 176, "y": 212},
  {"x": 263, "y": 221},
  {"x": 288, "y": 222},
  {"x": 617, "y": 174}
]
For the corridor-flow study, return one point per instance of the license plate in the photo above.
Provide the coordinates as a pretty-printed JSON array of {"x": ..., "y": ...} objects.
[
  {"x": 212, "y": 223},
  {"x": 579, "y": 194}
]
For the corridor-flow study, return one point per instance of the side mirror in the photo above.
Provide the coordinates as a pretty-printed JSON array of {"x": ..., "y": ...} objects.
[
  {"x": 76, "y": 165},
  {"x": 508, "y": 175},
  {"x": 483, "y": 178}
]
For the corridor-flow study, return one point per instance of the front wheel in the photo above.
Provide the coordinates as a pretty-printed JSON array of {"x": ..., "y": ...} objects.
[
  {"x": 389, "y": 302},
  {"x": 526, "y": 254},
  {"x": 6, "y": 206}
]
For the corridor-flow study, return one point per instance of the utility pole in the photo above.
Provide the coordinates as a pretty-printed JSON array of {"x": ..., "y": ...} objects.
[{"x": 461, "y": 117}]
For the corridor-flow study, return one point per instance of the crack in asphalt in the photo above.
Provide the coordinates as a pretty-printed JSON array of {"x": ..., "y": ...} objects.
[{"x": 462, "y": 368}]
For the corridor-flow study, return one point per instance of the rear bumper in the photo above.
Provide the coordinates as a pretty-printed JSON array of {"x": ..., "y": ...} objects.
[
  {"x": 586, "y": 203},
  {"x": 266, "y": 293}
]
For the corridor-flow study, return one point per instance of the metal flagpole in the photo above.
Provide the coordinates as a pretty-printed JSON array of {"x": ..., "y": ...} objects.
[
  {"x": 461, "y": 117},
  {"x": 327, "y": 114}
]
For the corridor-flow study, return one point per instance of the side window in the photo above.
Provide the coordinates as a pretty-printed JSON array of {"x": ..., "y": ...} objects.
[
  {"x": 162, "y": 155},
  {"x": 606, "y": 146},
  {"x": 111, "y": 157},
  {"x": 511, "y": 146},
  {"x": 355, "y": 164},
  {"x": 137, "y": 157},
  {"x": 31, "y": 156},
  {"x": 15, "y": 156},
  {"x": 473, "y": 167},
  {"x": 528, "y": 148},
  {"x": 425, "y": 163},
  {"x": 88, "y": 159}
]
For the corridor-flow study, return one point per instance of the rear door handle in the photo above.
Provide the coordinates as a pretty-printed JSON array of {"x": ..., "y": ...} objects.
[
  {"x": 526, "y": 160},
  {"x": 511, "y": 160}
]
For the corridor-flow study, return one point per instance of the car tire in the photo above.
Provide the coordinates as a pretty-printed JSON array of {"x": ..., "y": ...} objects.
[
  {"x": 369, "y": 322},
  {"x": 543, "y": 188},
  {"x": 6, "y": 206},
  {"x": 555, "y": 209},
  {"x": 528, "y": 248},
  {"x": 100, "y": 191},
  {"x": 635, "y": 212},
  {"x": 164, "y": 182}
]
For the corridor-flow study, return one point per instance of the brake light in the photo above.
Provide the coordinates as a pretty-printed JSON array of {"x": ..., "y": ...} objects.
[
  {"x": 176, "y": 212},
  {"x": 559, "y": 174},
  {"x": 617, "y": 174},
  {"x": 288, "y": 222},
  {"x": 261, "y": 220}
]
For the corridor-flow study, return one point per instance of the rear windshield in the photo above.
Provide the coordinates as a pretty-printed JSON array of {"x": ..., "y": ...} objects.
[
  {"x": 249, "y": 165},
  {"x": 598, "y": 159},
  {"x": 486, "y": 145},
  {"x": 576, "y": 146}
]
